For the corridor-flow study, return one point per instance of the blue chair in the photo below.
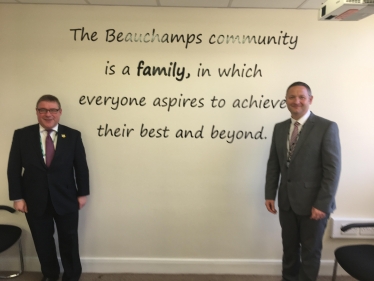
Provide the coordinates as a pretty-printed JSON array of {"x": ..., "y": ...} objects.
[{"x": 9, "y": 235}]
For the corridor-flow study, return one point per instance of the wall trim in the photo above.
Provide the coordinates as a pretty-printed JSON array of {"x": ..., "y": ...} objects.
[{"x": 172, "y": 266}]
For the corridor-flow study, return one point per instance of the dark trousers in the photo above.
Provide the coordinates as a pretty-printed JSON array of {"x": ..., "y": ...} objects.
[
  {"x": 42, "y": 230},
  {"x": 302, "y": 246}
]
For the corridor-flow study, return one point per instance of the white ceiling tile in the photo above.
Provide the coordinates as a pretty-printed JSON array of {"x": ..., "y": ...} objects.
[
  {"x": 312, "y": 4},
  {"x": 65, "y": 2},
  {"x": 124, "y": 2},
  {"x": 267, "y": 4},
  {"x": 195, "y": 3}
]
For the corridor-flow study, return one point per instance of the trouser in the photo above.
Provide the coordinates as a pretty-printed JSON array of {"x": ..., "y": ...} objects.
[
  {"x": 42, "y": 230},
  {"x": 302, "y": 246}
]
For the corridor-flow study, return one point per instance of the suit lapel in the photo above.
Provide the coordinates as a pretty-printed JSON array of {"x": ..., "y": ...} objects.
[
  {"x": 284, "y": 132},
  {"x": 36, "y": 144},
  {"x": 61, "y": 141}
]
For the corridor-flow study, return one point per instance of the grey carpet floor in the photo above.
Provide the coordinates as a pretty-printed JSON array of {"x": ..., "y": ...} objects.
[{"x": 34, "y": 276}]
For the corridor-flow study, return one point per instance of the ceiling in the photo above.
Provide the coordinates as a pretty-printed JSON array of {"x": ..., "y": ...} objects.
[{"x": 261, "y": 4}]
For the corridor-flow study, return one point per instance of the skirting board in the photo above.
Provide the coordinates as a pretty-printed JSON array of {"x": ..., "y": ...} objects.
[{"x": 172, "y": 266}]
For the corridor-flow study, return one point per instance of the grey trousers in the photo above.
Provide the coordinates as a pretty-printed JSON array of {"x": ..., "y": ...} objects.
[{"x": 302, "y": 246}]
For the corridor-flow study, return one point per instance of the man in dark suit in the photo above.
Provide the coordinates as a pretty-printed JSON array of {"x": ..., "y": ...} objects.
[
  {"x": 304, "y": 167},
  {"x": 48, "y": 180}
]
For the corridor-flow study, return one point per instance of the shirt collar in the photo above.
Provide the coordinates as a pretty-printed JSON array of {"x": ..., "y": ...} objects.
[
  {"x": 41, "y": 129},
  {"x": 302, "y": 120}
]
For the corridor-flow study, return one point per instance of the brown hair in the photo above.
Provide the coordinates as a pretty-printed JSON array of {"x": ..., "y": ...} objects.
[
  {"x": 48, "y": 98},
  {"x": 305, "y": 85}
]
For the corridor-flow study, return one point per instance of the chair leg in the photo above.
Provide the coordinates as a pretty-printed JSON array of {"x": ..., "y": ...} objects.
[
  {"x": 21, "y": 263},
  {"x": 334, "y": 271}
]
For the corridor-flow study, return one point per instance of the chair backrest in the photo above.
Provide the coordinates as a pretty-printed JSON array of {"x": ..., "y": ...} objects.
[
  {"x": 7, "y": 208},
  {"x": 9, "y": 235}
]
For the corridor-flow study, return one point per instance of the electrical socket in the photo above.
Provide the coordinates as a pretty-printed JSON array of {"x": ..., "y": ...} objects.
[{"x": 353, "y": 233}]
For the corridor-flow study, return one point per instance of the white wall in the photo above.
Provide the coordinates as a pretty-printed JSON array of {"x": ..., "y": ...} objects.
[{"x": 185, "y": 205}]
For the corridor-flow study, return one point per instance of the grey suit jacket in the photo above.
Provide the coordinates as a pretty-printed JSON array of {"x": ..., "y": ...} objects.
[{"x": 311, "y": 180}]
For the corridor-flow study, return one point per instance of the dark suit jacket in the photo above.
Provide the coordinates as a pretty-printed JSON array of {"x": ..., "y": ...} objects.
[
  {"x": 311, "y": 180},
  {"x": 30, "y": 179}
]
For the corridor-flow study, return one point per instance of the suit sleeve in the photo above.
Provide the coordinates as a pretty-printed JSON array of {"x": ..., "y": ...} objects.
[
  {"x": 14, "y": 171},
  {"x": 81, "y": 168},
  {"x": 331, "y": 167},
  {"x": 272, "y": 171}
]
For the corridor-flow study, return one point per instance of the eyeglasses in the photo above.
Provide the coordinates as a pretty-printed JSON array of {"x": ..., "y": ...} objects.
[{"x": 44, "y": 110}]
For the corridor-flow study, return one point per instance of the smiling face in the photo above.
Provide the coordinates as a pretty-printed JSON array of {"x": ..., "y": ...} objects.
[
  {"x": 298, "y": 101},
  {"x": 48, "y": 120}
]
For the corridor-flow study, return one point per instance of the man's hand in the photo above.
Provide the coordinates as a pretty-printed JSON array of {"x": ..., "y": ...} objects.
[
  {"x": 317, "y": 214},
  {"x": 82, "y": 201},
  {"x": 270, "y": 205},
  {"x": 20, "y": 205}
]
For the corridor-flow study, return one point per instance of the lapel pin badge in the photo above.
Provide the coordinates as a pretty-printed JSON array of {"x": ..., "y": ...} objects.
[{"x": 63, "y": 136}]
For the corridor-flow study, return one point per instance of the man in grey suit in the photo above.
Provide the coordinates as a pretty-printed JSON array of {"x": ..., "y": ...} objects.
[{"x": 304, "y": 168}]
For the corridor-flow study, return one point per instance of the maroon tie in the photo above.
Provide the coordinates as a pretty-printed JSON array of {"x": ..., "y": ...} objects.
[{"x": 49, "y": 149}]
